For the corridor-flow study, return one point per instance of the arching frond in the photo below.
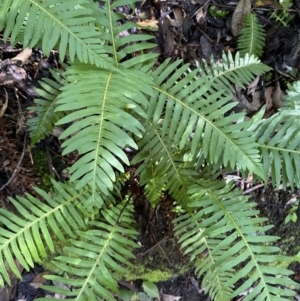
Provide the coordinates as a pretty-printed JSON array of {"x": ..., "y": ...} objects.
[
  {"x": 224, "y": 226},
  {"x": 26, "y": 235},
  {"x": 97, "y": 256},
  {"x": 187, "y": 109},
  {"x": 233, "y": 71},
  {"x": 100, "y": 125},
  {"x": 251, "y": 39},
  {"x": 69, "y": 24},
  {"x": 41, "y": 125}
]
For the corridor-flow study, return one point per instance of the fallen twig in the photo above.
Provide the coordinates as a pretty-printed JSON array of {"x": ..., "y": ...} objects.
[{"x": 19, "y": 163}]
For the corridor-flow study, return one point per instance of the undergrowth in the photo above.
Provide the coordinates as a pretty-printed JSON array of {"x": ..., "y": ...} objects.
[{"x": 182, "y": 124}]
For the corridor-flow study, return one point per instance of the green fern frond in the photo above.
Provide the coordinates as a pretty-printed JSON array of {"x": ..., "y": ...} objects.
[
  {"x": 154, "y": 188},
  {"x": 101, "y": 128},
  {"x": 283, "y": 17},
  {"x": 190, "y": 110},
  {"x": 121, "y": 41},
  {"x": 200, "y": 250},
  {"x": 98, "y": 256},
  {"x": 24, "y": 236},
  {"x": 252, "y": 37},
  {"x": 160, "y": 160},
  {"x": 293, "y": 97},
  {"x": 41, "y": 125},
  {"x": 279, "y": 141},
  {"x": 68, "y": 23},
  {"x": 224, "y": 225},
  {"x": 231, "y": 71}
]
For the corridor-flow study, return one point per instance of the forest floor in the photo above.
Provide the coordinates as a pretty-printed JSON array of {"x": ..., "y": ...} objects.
[{"x": 189, "y": 30}]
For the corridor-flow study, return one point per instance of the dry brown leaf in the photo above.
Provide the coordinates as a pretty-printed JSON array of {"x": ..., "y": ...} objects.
[
  {"x": 178, "y": 14},
  {"x": 170, "y": 297},
  {"x": 268, "y": 97},
  {"x": 151, "y": 25},
  {"x": 243, "y": 8},
  {"x": 252, "y": 87},
  {"x": 277, "y": 96}
]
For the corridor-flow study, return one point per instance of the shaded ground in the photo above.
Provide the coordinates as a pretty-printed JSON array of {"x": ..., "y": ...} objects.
[{"x": 189, "y": 30}]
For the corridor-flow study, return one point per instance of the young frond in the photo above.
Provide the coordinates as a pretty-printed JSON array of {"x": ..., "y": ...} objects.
[
  {"x": 231, "y": 71},
  {"x": 224, "y": 226},
  {"x": 252, "y": 37},
  {"x": 96, "y": 257},
  {"x": 26, "y": 235},
  {"x": 98, "y": 104},
  {"x": 41, "y": 125},
  {"x": 47, "y": 23},
  {"x": 282, "y": 16},
  {"x": 188, "y": 109},
  {"x": 161, "y": 162}
]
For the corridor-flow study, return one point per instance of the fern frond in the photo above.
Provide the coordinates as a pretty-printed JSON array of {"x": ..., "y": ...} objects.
[
  {"x": 68, "y": 23},
  {"x": 279, "y": 141},
  {"x": 252, "y": 36},
  {"x": 293, "y": 97},
  {"x": 282, "y": 16},
  {"x": 190, "y": 110},
  {"x": 96, "y": 258},
  {"x": 160, "y": 160},
  {"x": 122, "y": 42},
  {"x": 41, "y": 125},
  {"x": 200, "y": 250},
  {"x": 155, "y": 186},
  {"x": 24, "y": 236},
  {"x": 226, "y": 227},
  {"x": 231, "y": 71},
  {"x": 100, "y": 125}
]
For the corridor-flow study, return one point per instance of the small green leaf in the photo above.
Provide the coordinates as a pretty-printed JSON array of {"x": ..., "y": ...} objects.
[
  {"x": 143, "y": 297},
  {"x": 151, "y": 289}
]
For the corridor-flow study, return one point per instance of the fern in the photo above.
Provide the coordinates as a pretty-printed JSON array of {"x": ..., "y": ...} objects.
[
  {"x": 233, "y": 71},
  {"x": 223, "y": 223},
  {"x": 68, "y": 23},
  {"x": 279, "y": 141},
  {"x": 201, "y": 114},
  {"x": 182, "y": 125},
  {"x": 103, "y": 251},
  {"x": 42, "y": 125},
  {"x": 26, "y": 235},
  {"x": 100, "y": 124},
  {"x": 252, "y": 37}
]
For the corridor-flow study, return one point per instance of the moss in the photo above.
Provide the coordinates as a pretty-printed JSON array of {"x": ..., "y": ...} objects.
[
  {"x": 41, "y": 169},
  {"x": 156, "y": 266}
]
